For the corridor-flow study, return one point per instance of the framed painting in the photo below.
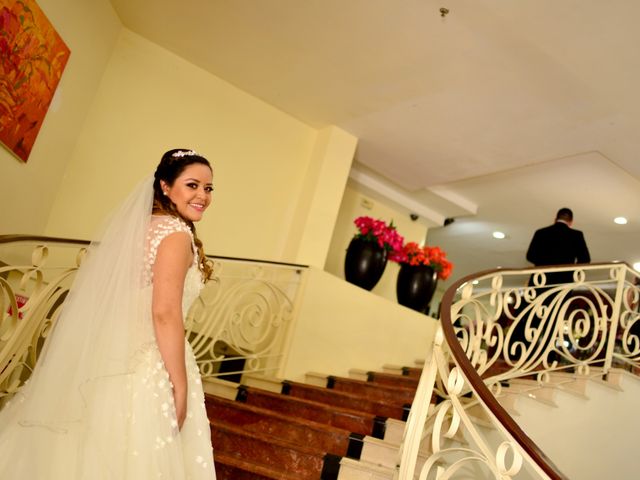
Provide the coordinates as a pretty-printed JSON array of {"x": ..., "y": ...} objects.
[{"x": 32, "y": 59}]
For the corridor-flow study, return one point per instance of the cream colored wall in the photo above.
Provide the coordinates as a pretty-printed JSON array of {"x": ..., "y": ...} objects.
[
  {"x": 351, "y": 208},
  {"x": 90, "y": 30},
  {"x": 320, "y": 198},
  {"x": 341, "y": 326},
  {"x": 151, "y": 100}
]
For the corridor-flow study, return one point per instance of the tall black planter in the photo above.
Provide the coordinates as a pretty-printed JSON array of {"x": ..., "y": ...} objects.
[
  {"x": 364, "y": 263},
  {"x": 415, "y": 286}
]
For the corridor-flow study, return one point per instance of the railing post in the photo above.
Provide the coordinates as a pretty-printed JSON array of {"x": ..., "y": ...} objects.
[
  {"x": 417, "y": 416},
  {"x": 615, "y": 316}
]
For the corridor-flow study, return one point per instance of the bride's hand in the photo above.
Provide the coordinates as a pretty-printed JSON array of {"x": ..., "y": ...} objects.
[{"x": 180, "y": 402}]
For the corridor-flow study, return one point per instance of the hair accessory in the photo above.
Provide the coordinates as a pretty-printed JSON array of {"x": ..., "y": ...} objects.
[{"x": 184, "y": 153}]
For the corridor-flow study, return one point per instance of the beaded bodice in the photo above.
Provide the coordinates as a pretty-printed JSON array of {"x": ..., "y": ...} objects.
[{"x": 159, "y": 228}]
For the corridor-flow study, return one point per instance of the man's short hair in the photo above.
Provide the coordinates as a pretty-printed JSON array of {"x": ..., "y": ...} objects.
[{"x": 565, "y": 214}]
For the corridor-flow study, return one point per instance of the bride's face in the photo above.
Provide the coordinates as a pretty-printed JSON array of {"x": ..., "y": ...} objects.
[{"x": 191, "y": 191}]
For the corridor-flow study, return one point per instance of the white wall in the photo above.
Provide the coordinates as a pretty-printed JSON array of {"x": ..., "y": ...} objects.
[
  {"x": 90, "y": 30},
  {"x": 341, "y": 326},
  {"x": 151, "y": 100}
]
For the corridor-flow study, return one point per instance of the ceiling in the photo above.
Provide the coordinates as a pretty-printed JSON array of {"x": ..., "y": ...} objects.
[{"x": 497, "y": 114}]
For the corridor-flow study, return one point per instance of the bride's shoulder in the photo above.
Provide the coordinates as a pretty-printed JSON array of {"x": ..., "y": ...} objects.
[{"x": 163, "y": 225}]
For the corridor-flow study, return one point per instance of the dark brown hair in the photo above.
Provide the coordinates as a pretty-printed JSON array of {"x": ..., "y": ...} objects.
[
  {"x": 565, "y": 214},
  {"x": 171, "y": 165}
]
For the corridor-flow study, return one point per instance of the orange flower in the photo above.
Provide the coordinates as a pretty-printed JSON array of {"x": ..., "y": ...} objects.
[{"x": 434, "y": 257}]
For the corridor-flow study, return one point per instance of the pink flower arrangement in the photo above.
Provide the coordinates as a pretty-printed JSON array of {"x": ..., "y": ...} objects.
[
  {"x": 414, "y": 254},
  {"x": 377, "y": 231}
]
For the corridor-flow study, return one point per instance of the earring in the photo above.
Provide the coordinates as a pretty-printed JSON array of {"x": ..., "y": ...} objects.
[{"x": 164, "y": 192}]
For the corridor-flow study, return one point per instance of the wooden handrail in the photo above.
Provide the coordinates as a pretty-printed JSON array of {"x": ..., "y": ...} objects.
[
  {"x": 40, "y": 238},
  {"x": 478, "y": 385},
  {"x": 44, "y": 239}
]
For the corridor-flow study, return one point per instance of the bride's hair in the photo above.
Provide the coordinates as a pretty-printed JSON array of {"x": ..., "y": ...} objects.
[{"x": 171, "y": 165}]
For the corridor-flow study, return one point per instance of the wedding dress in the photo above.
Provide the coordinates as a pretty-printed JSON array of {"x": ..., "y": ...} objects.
[{"x": 99, "y": 404}]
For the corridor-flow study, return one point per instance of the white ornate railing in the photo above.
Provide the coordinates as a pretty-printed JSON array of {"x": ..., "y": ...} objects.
[
  {"x": 35, "y": 277},
  {"x": 240, "y": 323},
  {"x": 506, "y": 324},
  {"x": 242, "y": 320}
]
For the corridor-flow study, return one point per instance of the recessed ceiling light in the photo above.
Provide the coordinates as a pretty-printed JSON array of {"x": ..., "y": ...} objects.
[
  {"x": 475, "y": 282},
  {"x": 636, "y": 266},
  {"x": 620, "y": 220},
  {"x": 498, "y": 235}
]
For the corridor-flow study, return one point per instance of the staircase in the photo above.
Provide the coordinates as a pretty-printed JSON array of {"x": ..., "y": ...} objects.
[
  {"x": 326, "y": 428},
  {"x": 351, "y": 428},
  {"x": 500, "y": 348}
]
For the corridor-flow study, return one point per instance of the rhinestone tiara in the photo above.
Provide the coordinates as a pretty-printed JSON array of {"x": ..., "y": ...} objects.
[{"x": 184, "y": 153}]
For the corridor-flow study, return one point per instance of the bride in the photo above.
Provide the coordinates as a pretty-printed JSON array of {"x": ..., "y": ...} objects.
[{"x": 116, "y": 393}]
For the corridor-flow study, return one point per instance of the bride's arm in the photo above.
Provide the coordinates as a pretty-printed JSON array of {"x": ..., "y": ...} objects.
[{"x": 169, "y": 270}]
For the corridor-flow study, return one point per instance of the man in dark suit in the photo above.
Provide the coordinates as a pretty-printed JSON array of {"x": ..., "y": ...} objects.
[{"x": 558, "y": 244}]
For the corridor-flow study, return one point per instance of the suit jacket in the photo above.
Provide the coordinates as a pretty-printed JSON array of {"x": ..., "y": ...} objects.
[{"x": 558, "y": 244}]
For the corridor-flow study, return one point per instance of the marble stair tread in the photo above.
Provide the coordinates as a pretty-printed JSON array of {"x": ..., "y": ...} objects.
[
  {"x": 297, "y": 430},
  {"x": 413, "y": 372},
  {"x": 386, "y": 454},
  {"x": 379, "y": 452},
  {"x": 352, "y": 420},
  {"x": 345, "y": 400},
  {"x": 394, "y": 431},
  {"x": 358, "y": 373},
  {"x": 399, "y": 395},
  {"x": 383, "y": 378},
  {"x": 392, "y": 368},
  {"x": 532, "y": 389},
  {"x": 264, "y": 450},
  {"x": 359, "y": 470},
  {"x": 265, "y": 382},
  {"x": 230, "y": 467},
  {"x": 220, "y": 387}
]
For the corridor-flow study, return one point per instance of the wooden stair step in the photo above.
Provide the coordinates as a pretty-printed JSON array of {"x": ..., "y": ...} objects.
[
  {"x": 393, "y": 379},
  {"x": 412, "y": 372},
  {"x": 399, "y": 395},
  {"x": 345, "y": 400},
  {"x": 352, "y": 420},
  {"x": 497, "y": 368},
  {"x": 267, "y": 451},
  {"x": 230, "y": 467},
  {"x": 267, "y": 422}
]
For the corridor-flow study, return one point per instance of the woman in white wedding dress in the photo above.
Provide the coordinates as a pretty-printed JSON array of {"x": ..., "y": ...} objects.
[{"x": 116, "y": 393}]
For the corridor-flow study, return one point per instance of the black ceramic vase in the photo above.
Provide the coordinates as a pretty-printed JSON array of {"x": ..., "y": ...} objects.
[
  {"x": 364, "y": 263},
  {"x": 415, "y": 286}
]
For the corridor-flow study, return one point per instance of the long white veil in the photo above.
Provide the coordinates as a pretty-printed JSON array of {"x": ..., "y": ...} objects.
[{"x": 78, "y": 390}]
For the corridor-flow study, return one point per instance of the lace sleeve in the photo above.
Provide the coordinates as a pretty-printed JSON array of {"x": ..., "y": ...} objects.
[{"x": 160, "y": 228}]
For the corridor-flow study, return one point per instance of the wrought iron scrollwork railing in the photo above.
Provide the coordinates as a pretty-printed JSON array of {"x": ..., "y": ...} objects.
[
  {"x": 31, "y": 294},
  {"x": 501, "y": 325},
  {"x": 242, "y": 320},
  {"x": 240, "y": 323}
]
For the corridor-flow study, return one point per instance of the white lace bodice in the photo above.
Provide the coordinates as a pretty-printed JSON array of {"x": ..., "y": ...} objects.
[{"x": 159, "y": 228}]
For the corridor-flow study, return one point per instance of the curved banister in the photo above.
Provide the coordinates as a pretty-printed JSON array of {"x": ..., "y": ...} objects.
[{"x": 479, "y": 386}]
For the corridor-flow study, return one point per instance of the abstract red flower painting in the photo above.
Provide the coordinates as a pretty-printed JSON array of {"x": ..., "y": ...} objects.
[{"x": 32, "y": 59}]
